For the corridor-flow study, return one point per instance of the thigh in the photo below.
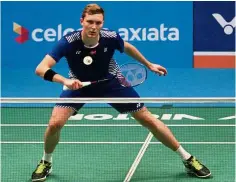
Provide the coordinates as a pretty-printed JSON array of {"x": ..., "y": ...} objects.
[{"x": 143, "y": 115}]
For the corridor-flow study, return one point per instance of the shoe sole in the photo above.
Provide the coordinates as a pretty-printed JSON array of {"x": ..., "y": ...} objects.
[
  {"x": 43, "y": 179},
  {"x": 192, "y": 173}
]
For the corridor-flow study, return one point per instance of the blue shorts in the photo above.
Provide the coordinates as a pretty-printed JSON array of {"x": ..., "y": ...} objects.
[{"x": 111, "y": 89}]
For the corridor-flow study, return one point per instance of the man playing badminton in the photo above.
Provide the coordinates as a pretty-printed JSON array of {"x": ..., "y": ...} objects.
[{"x": 89, "y": 53}]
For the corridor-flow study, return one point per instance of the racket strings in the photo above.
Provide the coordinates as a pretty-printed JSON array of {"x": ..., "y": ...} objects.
[
  {"x": 128, "y": 75},
  {"x": 131, "y": 75}
]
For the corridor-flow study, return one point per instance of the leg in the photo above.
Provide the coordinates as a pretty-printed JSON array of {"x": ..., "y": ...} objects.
[
  {"x": 60, "y": 114},
  {"x": 141, "y": 114},
  {"x": 164, "y": 135},
  {"x": 56, "y": 122},
  {"x": 158, "y": 128},
  {"x": 51, "y": 138}
]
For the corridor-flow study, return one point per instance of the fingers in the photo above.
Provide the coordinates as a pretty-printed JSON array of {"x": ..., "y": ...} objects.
[
  {"x": 76, "y": 84},
  {"x": 73, "y": 84},
  {"x": 162, "y": 71},
  {"x": 158, "y": 69}
]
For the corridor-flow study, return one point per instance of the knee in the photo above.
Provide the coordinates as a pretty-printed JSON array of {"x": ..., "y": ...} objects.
[{"x": 55, "y": 124}]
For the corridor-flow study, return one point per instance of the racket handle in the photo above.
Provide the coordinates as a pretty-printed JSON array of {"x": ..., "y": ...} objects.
[{"x": 84, "y": 84}]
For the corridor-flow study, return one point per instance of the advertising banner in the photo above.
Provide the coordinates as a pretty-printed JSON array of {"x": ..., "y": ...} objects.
[
  {"x": 162, "y": 31},
  {"x": 214, "y": 34}
]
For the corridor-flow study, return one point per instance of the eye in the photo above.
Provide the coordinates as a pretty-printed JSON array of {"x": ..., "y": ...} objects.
[
  {"x": 90, "y": 21},
  {"x": 98, "y": 23}
]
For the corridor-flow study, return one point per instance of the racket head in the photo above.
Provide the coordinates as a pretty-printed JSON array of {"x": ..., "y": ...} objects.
[{"x": 131, "y": 74}]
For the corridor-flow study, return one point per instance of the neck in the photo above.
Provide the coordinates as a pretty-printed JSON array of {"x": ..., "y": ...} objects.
[{"x": 89, "y": 41}]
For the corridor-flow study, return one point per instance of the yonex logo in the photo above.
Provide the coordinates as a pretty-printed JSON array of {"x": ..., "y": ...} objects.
[
  {"x": 227, "y": 26},
  {"x": 23, "y": 33},
  {"x": 78, "y": 52},
  {"x": 138, "y": 105}
]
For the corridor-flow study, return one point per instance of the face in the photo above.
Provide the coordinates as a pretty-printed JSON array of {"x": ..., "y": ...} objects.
[{"x": 92, "y": 24}]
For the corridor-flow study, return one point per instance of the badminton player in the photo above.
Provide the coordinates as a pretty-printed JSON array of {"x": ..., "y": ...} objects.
[{"x": 89, "y": 53}]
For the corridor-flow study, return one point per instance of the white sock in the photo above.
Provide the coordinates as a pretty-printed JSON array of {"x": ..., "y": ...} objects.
[
  {"x": 47, "y": 157},
  {"x": 183, "y": 153}
]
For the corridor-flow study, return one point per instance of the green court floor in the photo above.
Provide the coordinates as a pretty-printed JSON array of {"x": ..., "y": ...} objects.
[{"x": 100, "y": 145}]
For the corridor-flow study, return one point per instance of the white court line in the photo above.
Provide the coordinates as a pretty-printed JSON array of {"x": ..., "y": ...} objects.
[
  {"x": 192, "y": 143},
  {"x": 138, "y": 158},
  {"x": 118, "y": 125}
]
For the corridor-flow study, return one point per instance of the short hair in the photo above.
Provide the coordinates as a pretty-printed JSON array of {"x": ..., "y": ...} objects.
[{"x": 92, "y": 9}]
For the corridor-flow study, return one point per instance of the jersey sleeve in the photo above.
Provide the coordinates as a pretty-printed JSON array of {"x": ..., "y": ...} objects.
[
  {"x": 119, "y": 43},
  {"x": 59, "y": 50}
]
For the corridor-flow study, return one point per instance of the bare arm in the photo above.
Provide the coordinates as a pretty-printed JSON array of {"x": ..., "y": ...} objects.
[
  {"x": 134, "y": 53},
  {"x": 47, "y": 63}
]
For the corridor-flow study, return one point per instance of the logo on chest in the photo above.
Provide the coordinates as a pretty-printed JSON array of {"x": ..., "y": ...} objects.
[
  {"x": 87, "y": 60},
  {"x": 78, "y": 52}
]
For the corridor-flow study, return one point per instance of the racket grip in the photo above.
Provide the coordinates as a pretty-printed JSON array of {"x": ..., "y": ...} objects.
[
  {"x": 65, "y": 87},
  {"x": 84, "y": 84}
]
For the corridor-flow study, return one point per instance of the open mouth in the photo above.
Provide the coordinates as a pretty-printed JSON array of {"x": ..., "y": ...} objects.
[{"x": 92, "y": 33}]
